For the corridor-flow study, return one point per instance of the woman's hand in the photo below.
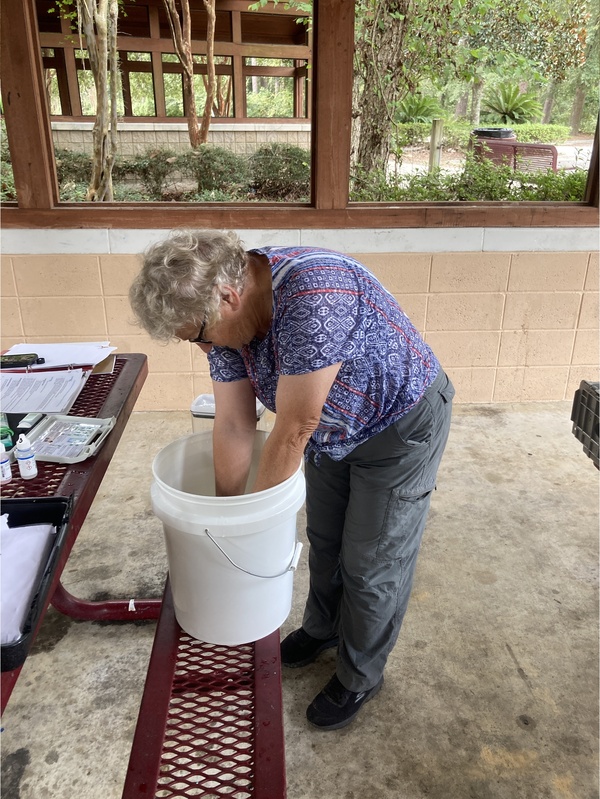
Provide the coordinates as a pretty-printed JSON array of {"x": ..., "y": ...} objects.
[{"x": 233, "y": 436}]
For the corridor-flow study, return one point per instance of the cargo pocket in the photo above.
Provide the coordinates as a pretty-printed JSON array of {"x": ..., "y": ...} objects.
[{"x": 403, "y": 525}]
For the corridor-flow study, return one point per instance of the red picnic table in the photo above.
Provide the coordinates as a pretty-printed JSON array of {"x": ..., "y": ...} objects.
[{"x": 210, "y": 720}]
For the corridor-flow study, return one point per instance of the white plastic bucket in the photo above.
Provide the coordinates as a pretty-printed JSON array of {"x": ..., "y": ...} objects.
[{"x": 231, "y": 559}]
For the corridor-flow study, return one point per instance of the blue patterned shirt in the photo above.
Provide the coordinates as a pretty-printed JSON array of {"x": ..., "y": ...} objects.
[{"x": 327, "y": 309}]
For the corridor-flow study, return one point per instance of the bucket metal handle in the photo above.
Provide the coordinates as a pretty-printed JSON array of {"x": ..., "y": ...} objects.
[{"x": 290, "y": 567}]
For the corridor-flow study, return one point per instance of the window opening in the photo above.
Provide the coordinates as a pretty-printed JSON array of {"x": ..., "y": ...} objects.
[{"x": 456, "y": 102}]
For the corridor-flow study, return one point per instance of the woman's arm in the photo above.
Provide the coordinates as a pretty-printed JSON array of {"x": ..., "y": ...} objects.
[
  {"x": 233, "y": 435},
  {"x": 299, "y": 402}
]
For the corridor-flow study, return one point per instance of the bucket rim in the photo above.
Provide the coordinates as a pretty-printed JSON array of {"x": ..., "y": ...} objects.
[{"x": 242, "y": 499}]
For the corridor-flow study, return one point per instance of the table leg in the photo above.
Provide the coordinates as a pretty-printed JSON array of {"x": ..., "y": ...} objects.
[{"x": 109, "y": 610}]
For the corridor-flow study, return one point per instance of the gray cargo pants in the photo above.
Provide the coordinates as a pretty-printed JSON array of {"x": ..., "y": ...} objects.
[{"x": 365, "y": 520}]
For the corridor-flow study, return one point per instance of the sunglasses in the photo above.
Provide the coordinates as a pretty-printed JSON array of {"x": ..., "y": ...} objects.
[{"x": 199, "y": 339}]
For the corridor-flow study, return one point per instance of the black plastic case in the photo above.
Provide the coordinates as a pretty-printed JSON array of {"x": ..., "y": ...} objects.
[
  {"x": 41, "y": 510},
  {"x": 585, "y": 415}
]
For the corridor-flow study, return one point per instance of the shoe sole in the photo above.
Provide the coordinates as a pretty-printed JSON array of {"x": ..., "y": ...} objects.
[
  {"x": 299, "y": 663},
  {"x": 347, "y": 721}
]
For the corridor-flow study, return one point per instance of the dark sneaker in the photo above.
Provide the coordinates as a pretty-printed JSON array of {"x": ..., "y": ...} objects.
[
  {"x": 300, "y": 648},
  {"x": 336, "y": 706}
]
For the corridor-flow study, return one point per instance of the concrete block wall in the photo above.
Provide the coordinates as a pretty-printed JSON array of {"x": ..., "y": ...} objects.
[
  {"x": 509, "y": 326},
  {"x": 137, "y": 138}
]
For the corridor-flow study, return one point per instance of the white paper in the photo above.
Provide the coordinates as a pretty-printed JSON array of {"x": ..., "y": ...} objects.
[
  {"x": 46, "y": 392},
  {"x": 24, "y": 554},
  {"x": 56, "y": 355}
]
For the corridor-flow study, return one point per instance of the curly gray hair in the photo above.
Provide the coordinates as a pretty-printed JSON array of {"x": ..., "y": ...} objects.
[{"x": 180, "y": 280}]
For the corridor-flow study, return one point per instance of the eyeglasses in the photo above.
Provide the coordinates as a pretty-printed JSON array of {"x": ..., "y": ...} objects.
[{"x": 199, "y": 339}]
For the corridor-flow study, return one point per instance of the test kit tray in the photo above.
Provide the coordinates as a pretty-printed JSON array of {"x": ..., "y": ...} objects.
[
  {"x": 22, "y": 512},
  {"x": 68, "y": 439}
]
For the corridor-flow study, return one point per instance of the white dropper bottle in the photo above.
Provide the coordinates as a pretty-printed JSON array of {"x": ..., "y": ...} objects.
[
  {"x": 26, "y": 458},
  {"x": 5, "y": 470}
]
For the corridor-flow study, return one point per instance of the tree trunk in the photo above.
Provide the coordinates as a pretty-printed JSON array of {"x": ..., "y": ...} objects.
[
  {"x": 577, "y": 108},
  {"x": 378, "y": 84},
  {"x": 210, "y": 68},
  {"x": 98, "y": 22},
  {"x": 549, "y": 103},
  {"x": 476, "y": 95},
  {"x": 462, "y": 106},
  {"x": 182, "y": 39}
]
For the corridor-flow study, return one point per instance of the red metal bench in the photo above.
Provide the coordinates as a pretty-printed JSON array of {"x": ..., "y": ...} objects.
[
  {"x": 210, "y": 723},
  {"x": 518, "y": 155}
]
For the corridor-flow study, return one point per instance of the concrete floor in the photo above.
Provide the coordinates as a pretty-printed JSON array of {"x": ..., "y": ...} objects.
[{"x": 491, "y": 692}]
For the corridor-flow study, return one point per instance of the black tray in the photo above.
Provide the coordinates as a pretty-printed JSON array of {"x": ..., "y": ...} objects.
[{"x": 41, "y": 510}]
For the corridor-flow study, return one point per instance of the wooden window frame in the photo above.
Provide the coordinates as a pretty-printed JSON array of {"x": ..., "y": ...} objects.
[{"x": 28, "y": 128}]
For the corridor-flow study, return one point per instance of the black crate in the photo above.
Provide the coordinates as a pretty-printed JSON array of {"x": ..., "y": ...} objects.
[
  {"x": 585, "y": 417},
  {"x": 38, "y": 510}
]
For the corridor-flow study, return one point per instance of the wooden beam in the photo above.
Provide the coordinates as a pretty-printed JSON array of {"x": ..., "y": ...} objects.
[
  {"x": 71, "y": 68},
  {"x": 237, "y": 62},
  {"x": 287, "y": 216},
  {"x": 157, "y": 67},
  {"x": 136, "y": 44},
  {"x": 332, "y": 102},
  {"x": 25, "y": 107}
]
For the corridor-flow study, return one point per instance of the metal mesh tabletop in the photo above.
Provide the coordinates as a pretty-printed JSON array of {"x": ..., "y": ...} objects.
[{"x": 50, "y": 476}]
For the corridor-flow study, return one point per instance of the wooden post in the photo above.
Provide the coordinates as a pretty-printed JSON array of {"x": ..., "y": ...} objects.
[
  {"x": 26, "y": 107},
  {"x": 435, "y": 145}
]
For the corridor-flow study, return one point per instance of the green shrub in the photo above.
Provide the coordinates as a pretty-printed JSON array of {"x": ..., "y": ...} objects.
[
  {"x": 482, "y": 179},
  {"x": 280, "y": 172},
  {"x": 456, "y": 135},
  {"x": 215, "y": 169},
  {"x": 213, "y": 196},
  {"x": 479, "y": 180},
  {"x": 122, "y": 193},
  {"x": 72, "y": 166},
  {"x": 152, "y": 169},
  {"x": 407, "y": 134},
  {"x": 4, "y": 151},
  {"x": 375, "y": 186},
  {"x": 561, "y": 186},
  {"x": 545, "y": 134},
  {"x": 8, "y": 193},
  {"x": 73, "y": 191},
  {"x": 509, "y": 104}
]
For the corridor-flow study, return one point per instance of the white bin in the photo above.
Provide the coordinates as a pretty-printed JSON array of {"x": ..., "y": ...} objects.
[
  {"x": 203, "y": 407},
  {"x": 231, "y": 559}
]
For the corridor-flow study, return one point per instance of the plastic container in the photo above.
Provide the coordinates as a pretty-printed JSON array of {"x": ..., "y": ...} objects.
[
  {"x": 39, "y": 510},
  {"x": 5, "y": 470},
  {"x": 585, "y": 415},
  {"x": 6, "y": 433},
  {"x": 494, "y": 133},
  {"x": 231, "y": 559},
  {"x": 203, "y": 407}
]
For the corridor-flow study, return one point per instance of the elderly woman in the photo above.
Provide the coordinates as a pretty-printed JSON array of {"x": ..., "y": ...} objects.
[{"x": 356, "y": 391}]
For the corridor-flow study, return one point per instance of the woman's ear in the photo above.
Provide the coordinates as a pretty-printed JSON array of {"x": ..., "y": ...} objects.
[{"x": 230, "y": 298}]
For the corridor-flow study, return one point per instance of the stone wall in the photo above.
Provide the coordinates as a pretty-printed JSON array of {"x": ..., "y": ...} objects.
[
  {"x": 508, "y": 321},
  {"x": 137, "y": 138}
]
